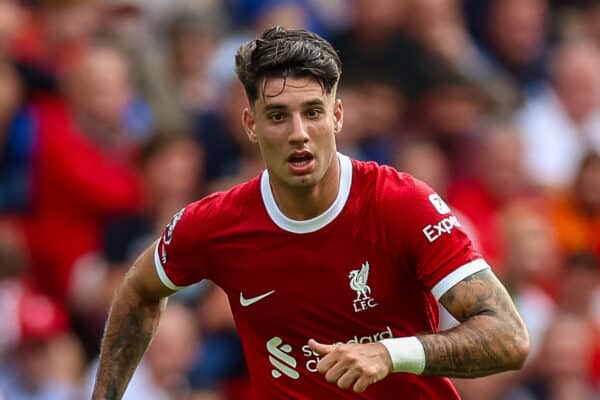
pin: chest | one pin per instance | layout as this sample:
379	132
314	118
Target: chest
314	283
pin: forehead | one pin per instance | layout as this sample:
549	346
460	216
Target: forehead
290	90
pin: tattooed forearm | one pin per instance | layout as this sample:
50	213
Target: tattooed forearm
130	327
111	391
491	337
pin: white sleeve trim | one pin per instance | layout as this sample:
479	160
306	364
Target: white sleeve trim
160	270
458	275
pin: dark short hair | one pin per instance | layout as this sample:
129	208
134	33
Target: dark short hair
281	52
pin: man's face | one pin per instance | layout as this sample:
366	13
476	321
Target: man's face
294	123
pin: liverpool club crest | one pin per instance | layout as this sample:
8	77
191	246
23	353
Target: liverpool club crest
359	283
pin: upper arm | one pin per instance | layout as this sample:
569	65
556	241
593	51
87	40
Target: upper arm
144	279
477	294
442	254
426	234
182	254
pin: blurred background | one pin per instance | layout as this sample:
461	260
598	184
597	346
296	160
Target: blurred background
116	113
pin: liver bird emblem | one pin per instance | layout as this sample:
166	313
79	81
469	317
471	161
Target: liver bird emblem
358	281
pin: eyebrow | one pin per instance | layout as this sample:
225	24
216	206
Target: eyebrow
280	106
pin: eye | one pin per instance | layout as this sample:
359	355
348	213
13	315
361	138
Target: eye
313	113
276	116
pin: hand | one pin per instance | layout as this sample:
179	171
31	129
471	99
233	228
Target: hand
357	365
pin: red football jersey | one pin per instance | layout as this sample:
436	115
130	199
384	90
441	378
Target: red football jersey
368	268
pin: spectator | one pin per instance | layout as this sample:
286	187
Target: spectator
449	112
37	373
425	161
579	288
16	145
563	369
576	213
13	266
193	39
13	16
82	177
58	32
172	176
497	180
171	172
164	378
374	47
565	116
100	92
440	26
231	158
212	370
513	40
580	20
532	267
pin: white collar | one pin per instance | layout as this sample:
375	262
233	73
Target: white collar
318	222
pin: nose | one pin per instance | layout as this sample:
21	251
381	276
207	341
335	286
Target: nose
298	133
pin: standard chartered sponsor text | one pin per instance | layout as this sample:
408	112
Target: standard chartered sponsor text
313	358
281	354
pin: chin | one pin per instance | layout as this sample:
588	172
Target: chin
302	181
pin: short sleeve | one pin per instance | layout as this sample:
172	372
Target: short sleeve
181	253
428	234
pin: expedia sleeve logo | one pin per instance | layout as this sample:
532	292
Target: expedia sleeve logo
439	204
434	231
168	236
445	226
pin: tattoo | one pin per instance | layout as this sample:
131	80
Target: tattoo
130	342
111	391
129	330
491	337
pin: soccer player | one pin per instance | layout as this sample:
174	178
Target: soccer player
333	267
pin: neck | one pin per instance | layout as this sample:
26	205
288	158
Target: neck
306	203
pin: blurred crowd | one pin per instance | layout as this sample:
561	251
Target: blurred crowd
114	114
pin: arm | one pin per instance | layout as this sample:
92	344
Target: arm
132	321
491	337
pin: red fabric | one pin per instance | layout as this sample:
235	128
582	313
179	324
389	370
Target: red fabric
235	389
231	239
77	188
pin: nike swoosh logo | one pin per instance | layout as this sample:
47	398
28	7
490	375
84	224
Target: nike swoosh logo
248	302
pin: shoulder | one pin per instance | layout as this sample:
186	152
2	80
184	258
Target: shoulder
232	203
385	181
198	222
394	197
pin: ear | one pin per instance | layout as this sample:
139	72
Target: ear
338	115
249	124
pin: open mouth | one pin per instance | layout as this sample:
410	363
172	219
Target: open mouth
301	158
301	162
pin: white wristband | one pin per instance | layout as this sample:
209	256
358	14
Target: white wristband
407	354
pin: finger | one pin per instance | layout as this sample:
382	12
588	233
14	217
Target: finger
327	362
320	348
335	372
348	378
363	382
